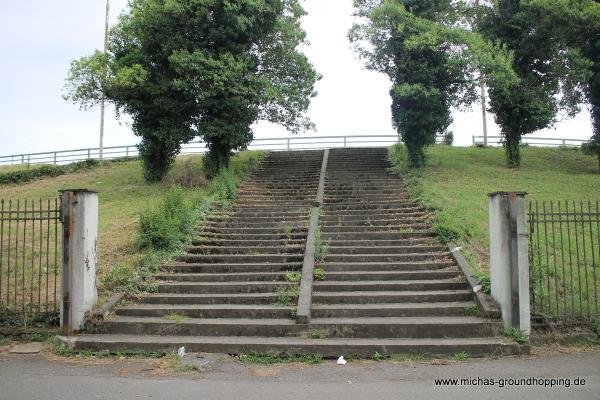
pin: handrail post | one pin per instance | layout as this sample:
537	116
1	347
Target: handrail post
79	217
54	158
345	143
288	144
89	153
509	258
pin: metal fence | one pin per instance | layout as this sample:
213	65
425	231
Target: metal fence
532	141
197	147
30	261
565	260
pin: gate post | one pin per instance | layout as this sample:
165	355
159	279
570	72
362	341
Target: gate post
509	258
79	216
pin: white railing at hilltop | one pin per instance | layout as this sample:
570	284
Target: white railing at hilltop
197	147
532	141
275	144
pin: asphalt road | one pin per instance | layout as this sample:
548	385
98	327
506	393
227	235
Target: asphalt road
46	377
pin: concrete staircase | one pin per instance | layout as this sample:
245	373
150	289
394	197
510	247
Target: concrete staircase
389	286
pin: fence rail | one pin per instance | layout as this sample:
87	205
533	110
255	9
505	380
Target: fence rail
197	147
565	260
532	141
30	254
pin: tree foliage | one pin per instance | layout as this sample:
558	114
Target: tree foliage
208	68
576	26
546	69
433	59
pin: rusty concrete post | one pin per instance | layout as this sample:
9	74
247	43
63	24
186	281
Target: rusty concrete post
509	258
79	216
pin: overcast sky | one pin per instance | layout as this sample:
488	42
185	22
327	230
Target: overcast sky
38	39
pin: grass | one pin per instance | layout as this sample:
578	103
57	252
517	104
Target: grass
457	180
267	359
124	197
174	363
319	274
5	341
516	335
315	334
294	277
175	317
288	296
461	356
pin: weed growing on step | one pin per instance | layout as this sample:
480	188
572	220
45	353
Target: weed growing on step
377	357
516	335
288	296
461	356
320	248
294	277
59	348
175	317
319	274
410	357
316	334
485	281
473	310
5	341
287	232
293	313
175	364
267	359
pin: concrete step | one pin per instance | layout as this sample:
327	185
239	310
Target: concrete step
357	276
298	248
391	310
377	297
223	287
248	242
387	235
334	249
387	266
251	231
202	326
253	236
397	228
232	267
213	298
240	258
424	256
225	277
389	285
207	311
329	348
406	327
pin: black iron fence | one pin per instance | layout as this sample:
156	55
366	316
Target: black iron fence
30	261
564	255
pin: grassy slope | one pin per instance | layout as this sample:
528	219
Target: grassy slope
457	180
123	196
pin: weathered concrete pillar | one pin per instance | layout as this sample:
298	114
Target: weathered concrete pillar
509	258
79	215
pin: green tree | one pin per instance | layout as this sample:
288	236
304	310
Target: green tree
433	60
533	102
208	68
576	26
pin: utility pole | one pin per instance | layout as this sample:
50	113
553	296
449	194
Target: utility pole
483	96
484	112
103	101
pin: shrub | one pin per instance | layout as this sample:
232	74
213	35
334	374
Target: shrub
448	138
187	175
168	225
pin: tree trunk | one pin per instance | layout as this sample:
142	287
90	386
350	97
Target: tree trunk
513	151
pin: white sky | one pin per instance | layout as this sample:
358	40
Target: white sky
39	38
